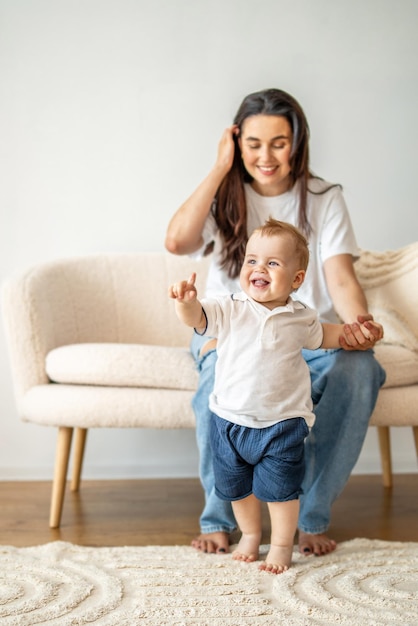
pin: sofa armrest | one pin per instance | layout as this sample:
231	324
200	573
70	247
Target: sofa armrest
39	315
27	334
389	280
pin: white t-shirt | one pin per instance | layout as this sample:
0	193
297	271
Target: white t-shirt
332	234
261	377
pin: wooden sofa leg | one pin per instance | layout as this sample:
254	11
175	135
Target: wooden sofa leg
415	430
78	455
385	455
60	475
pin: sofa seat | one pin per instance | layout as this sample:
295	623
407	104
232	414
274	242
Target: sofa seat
127	385
95	406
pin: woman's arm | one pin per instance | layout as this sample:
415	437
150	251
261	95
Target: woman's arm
184	232
350	301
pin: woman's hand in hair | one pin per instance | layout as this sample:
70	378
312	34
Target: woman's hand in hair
226	149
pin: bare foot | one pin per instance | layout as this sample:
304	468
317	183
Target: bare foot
315	544
278	559
212	543
247	548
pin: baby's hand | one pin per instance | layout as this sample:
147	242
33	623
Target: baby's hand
184	290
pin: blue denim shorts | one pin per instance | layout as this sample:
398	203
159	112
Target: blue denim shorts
268	462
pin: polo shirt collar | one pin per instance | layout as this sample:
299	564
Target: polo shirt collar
289	307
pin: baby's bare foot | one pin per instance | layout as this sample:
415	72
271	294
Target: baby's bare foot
278	559
315	544
247	548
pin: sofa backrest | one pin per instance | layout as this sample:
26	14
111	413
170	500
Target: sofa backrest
97	299
108	298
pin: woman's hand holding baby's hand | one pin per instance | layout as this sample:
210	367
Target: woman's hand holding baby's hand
362	335
375	330
184	290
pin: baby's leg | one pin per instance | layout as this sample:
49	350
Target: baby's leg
248	515
284	520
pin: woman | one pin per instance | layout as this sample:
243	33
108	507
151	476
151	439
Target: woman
262	170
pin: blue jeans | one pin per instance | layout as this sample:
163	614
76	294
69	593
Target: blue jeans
345	386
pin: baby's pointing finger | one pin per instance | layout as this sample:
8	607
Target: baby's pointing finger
192	279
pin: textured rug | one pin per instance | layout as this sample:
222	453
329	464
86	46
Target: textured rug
365	582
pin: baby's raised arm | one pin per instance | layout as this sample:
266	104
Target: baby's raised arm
188	308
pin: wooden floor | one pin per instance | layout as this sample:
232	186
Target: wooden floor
166	512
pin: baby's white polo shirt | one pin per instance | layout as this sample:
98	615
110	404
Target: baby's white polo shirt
261	377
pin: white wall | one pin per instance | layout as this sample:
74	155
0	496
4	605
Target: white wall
110	114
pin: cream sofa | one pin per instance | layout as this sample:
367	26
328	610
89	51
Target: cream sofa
94	343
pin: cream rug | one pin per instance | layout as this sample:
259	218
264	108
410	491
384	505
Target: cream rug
364	583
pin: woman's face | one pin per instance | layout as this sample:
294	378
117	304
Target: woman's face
266	143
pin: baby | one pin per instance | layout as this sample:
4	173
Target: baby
261	403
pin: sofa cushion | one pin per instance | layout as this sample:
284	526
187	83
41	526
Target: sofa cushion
131	365
122	365
400	364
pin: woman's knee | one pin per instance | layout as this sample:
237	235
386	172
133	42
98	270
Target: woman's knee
359	366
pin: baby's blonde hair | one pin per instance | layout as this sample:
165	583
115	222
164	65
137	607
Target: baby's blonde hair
274	228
